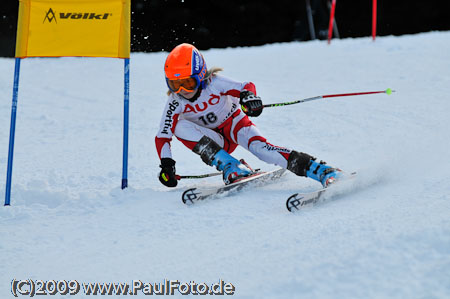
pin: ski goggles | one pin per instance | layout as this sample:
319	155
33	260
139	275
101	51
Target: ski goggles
188	84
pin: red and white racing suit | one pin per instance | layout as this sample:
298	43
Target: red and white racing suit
216	114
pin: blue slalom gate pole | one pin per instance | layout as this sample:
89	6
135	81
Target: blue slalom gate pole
12	132
126	112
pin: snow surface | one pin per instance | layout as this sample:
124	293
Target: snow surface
69	219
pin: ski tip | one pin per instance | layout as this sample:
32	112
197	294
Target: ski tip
189	196
288	202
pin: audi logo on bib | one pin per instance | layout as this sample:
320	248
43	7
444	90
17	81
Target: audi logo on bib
213	100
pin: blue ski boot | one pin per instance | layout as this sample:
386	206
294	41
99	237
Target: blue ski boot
213	155
305	165
323	173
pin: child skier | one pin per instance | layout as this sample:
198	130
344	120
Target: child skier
209	113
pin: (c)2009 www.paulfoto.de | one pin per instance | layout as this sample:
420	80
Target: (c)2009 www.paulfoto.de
32	287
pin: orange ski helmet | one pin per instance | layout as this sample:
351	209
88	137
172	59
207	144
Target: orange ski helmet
184	68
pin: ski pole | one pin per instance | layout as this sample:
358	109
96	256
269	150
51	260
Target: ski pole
387	91
200	176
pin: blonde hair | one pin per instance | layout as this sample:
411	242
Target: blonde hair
209	74
212	72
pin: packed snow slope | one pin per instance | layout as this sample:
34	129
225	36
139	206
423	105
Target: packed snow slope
389	238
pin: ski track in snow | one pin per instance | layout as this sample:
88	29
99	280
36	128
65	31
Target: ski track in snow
388	237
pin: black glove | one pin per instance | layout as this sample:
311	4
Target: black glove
167	174
250	103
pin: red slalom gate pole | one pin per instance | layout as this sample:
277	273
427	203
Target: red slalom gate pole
374	19
330	26
387	91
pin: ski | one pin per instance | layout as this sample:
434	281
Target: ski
299	200
192	195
